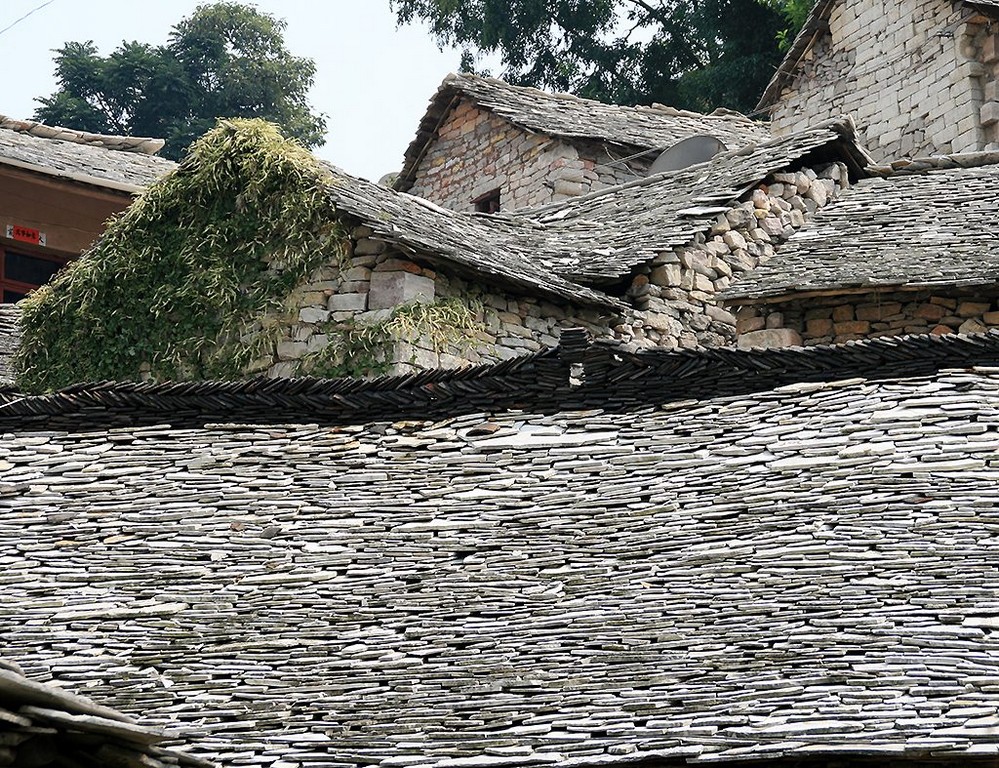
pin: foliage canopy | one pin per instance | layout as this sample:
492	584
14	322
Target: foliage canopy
168	288
693	54
225	60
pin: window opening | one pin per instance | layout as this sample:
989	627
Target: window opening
488	203
21	272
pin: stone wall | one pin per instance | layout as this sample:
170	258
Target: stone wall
676	290
913	74
477	152
358	318
383	311
837	319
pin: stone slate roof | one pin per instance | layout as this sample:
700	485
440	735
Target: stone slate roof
929	223
496	247
816	25
723	555
602	236
566	116
596	239
115	162
46	725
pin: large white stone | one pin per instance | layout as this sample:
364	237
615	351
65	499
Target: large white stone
313	315
990	112
393	289
771	338
348	302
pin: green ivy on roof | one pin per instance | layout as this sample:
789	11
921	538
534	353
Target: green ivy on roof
167	289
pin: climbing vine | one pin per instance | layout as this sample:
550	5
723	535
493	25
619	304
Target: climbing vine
167	289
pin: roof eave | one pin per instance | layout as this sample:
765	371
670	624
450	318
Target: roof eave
815	25
81	178
440	106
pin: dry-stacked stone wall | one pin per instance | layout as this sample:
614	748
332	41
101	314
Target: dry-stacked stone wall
675	292
918	77
477	152
355	317
349	318
837	319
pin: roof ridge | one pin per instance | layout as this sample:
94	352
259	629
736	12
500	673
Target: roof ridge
611	379
666	109
137	144
917	165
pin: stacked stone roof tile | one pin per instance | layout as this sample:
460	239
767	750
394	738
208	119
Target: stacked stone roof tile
596	239
498	247
925	223
794	560
46	725
601	237
566	116
117	162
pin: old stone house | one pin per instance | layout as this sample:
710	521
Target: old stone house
415	286
645	549
58	187
918	76
486	145
911	250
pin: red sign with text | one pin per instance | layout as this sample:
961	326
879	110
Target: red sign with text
25	234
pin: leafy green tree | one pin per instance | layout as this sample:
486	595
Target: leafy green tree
225	60
694	54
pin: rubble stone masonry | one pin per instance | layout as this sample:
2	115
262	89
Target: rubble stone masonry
848	317
918	76
670	299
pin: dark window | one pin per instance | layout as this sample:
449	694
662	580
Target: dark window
21	273
22	268
488	203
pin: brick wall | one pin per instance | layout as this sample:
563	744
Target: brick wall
847	317
477	152
912	73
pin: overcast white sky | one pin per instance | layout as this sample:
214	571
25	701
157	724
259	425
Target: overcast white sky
373	81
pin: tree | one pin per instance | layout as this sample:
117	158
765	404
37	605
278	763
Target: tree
694	54
225	60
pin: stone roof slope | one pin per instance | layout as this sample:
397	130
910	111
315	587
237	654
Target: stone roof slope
600	237
921	224
566	116
803	571
815	25
496	246
46	725
120	163
567	248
